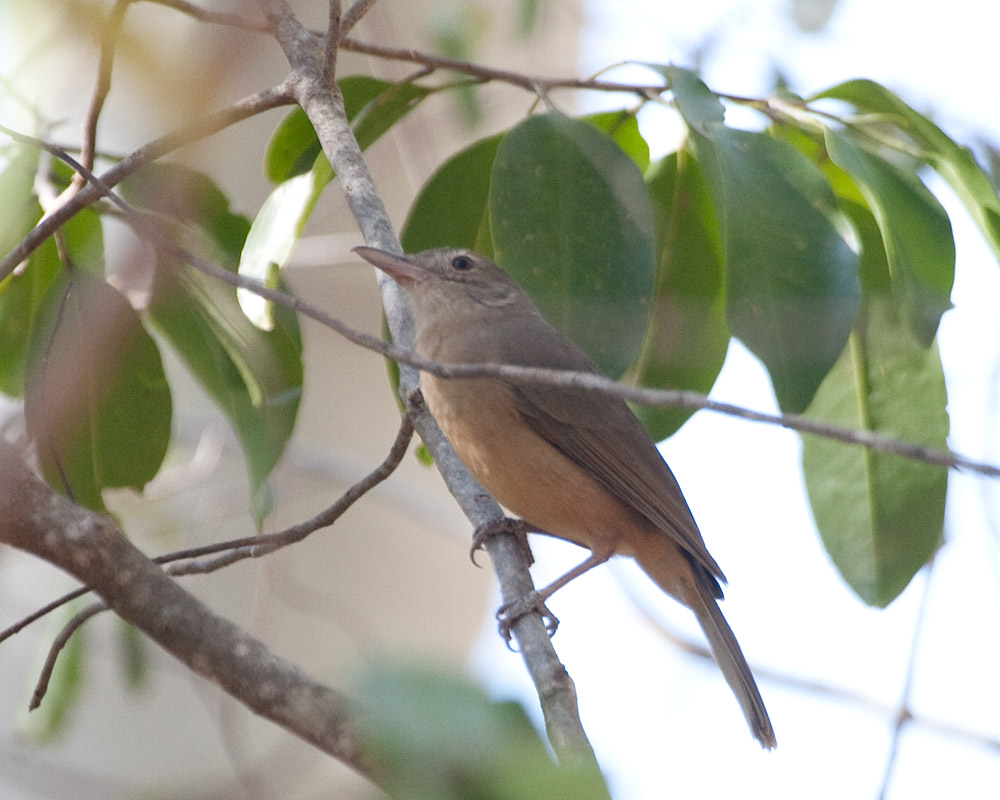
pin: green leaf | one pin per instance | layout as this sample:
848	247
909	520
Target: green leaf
792	281
19	209
374	106
187	196
880	516
97	403
273	235
293	148
254	375
22	294
378	105
436	737
687	337
452	208
953	162
623	127
571	221
915	228
394	102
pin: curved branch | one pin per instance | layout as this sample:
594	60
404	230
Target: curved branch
239	111
89	546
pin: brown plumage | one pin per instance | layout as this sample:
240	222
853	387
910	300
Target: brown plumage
574	464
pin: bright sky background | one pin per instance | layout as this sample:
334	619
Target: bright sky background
669	727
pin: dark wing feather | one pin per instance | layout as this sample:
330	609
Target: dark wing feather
606	439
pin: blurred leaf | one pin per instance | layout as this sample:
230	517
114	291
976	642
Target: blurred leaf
953	162
571	221
687	337
189	196
436	737
792	281
49	720
19	209
374	106
22	294
294	146
452	208
880	516
134	655
97	403
915	228
254	375
376	117
272	236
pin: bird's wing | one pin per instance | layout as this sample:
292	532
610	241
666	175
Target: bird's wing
606	439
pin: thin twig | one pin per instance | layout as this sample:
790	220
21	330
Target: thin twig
486	74
60	641
903	714
657	398
109	42
354	15
214	17
257	545
332	44
213	123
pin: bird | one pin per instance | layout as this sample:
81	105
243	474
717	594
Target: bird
571	463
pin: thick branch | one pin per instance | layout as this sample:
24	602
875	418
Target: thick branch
90	547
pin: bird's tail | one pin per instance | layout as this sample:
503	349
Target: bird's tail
700	595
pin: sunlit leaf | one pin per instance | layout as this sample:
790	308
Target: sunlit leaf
915	229
273	235
880	516
917	134
623	127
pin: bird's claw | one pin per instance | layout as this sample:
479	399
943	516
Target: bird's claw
533	603
515	527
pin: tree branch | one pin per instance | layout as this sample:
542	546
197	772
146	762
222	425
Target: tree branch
659	398
234	550
89	546
239	111
324	106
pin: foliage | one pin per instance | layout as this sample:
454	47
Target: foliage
812	240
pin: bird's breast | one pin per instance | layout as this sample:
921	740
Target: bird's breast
523	471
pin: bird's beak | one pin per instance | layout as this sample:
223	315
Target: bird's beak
398	267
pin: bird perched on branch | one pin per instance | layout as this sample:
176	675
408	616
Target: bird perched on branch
573	463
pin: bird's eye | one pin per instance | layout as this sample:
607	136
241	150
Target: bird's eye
461	263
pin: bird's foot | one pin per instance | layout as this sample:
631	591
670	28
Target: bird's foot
533	603
516	527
